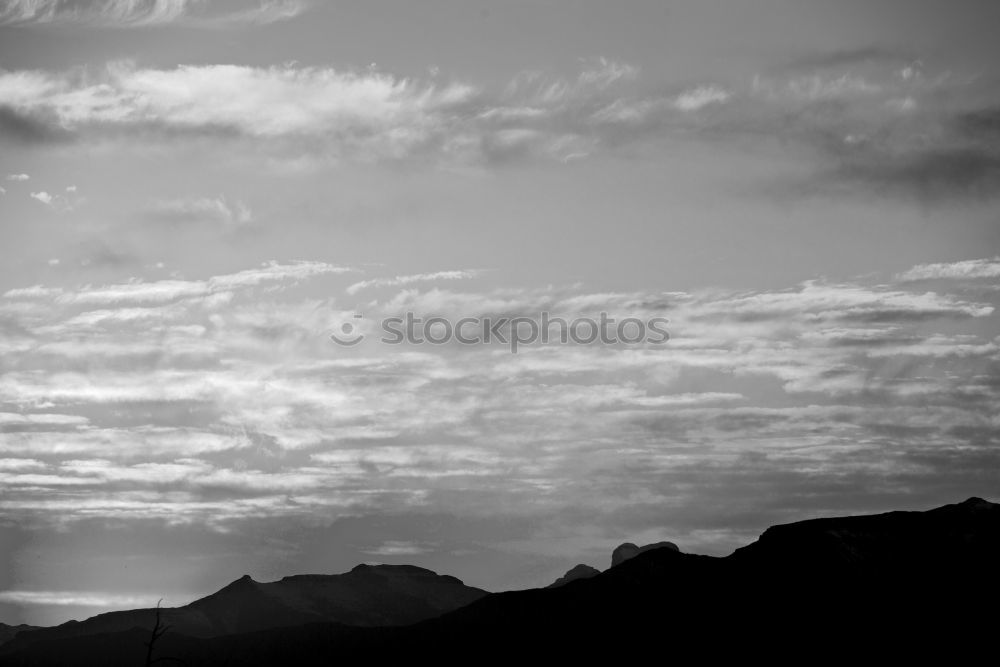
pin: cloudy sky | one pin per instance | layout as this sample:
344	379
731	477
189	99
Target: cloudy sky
195	193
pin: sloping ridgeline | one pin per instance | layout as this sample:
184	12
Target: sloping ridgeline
887	587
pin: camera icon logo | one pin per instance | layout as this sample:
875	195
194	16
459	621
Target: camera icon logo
347	334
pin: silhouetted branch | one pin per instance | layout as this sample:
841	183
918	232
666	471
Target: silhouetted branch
155	634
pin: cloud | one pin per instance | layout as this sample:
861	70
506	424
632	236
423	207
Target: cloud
33	292
849	58
397	548
23	129
43	197
143	13
81	599
869	124
821	302
265	13
20	465
971	269
980	124
124	12
948	172
414	278
605	72
59	202
882	126
165	291
18	177
536	91
156	401
142	443
368	112
9	418
701	97
211	209
817	88
364	114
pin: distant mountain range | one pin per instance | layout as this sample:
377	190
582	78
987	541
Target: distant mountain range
895	586
368	595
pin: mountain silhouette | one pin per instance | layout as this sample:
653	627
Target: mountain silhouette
368	595
622	553
628	550
892	587
576	572
953	534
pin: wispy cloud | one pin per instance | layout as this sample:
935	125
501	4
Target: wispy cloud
140	13
410	279
68	200
383	115
364	114
698	98
82	599
202	209
163	291
972	269
836	59
397	548
892	127
161	400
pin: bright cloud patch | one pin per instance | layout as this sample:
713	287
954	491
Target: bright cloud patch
81	599
701	97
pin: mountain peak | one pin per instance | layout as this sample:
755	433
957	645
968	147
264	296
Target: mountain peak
628	551
580	571
242	582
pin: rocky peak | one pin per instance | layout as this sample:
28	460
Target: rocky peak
580	571
628	550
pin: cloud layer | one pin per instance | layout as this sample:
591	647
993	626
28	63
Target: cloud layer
144	13
876	123
221	400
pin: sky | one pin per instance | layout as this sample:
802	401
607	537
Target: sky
196	194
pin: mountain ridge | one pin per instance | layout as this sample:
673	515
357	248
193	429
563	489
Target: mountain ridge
382	595
882	586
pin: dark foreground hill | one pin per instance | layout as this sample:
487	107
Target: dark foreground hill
890	587
8	632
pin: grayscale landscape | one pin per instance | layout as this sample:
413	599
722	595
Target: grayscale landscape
373	329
